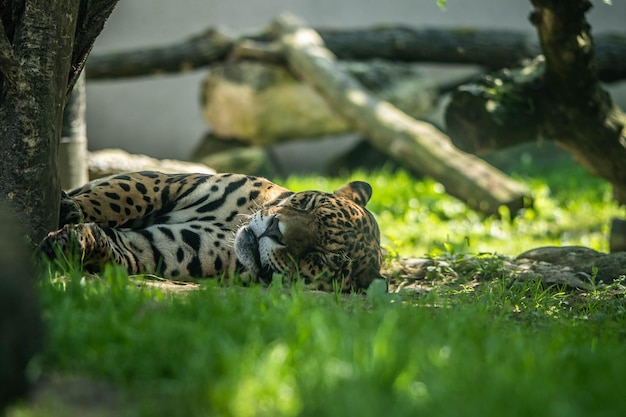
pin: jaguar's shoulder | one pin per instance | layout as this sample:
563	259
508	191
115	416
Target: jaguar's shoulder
154	182
139	195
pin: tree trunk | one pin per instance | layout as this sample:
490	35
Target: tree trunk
40	60
559	98
31	112
488	48
73	165
418	145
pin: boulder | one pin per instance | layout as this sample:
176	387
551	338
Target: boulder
264	103
585	262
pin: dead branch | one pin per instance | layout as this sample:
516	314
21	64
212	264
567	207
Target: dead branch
488	48
416	144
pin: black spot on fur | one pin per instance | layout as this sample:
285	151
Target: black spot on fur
112	196
116	208
230	188
141	188
167	232
124	186
149	174
218	263
195	267
191	238
232	215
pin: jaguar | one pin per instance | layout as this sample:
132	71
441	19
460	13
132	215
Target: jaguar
188	226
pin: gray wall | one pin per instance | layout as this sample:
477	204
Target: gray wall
161	116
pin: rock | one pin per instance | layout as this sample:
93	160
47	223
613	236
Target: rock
611	267
362	156
564	266
574	256
583	261
231	155
264	104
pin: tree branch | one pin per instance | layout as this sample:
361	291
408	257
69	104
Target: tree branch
499	111
92	15
559	99
198	51
416	144
488	48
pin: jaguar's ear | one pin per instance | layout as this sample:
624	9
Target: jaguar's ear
358	191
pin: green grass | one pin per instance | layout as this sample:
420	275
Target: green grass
501	348
505	348
417	218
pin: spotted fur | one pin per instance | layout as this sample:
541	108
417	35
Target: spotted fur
186	226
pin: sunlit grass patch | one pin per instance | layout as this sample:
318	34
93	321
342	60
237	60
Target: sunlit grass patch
418	218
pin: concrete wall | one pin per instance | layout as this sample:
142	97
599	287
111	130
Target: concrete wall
161	116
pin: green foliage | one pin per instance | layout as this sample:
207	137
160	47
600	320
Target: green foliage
417	218
501	347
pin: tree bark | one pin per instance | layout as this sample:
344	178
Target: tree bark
559	99
40	58
32	107
497	112
418	145
489	48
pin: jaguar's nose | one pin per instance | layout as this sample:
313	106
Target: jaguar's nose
273	231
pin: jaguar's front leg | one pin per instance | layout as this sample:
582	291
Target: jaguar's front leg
85	242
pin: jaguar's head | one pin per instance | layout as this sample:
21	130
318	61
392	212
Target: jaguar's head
326	239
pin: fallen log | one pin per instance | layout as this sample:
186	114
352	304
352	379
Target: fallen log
488	48
418	145
107	162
